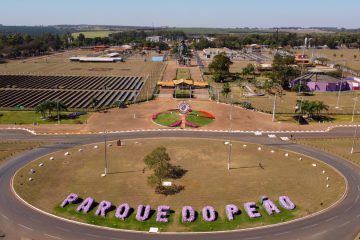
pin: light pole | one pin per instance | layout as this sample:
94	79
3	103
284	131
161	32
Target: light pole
353	142
58	112
230	131
353	113
105	156
301	101
274	109
341	83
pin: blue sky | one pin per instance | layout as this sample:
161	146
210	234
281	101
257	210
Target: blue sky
183	13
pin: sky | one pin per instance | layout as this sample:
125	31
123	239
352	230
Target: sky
183	13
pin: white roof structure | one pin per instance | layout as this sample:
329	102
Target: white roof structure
95	59
114	54
320	69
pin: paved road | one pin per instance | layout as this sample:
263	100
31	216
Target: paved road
17	220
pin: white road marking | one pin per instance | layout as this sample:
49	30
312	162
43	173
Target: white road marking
319	233
332	218
282	233
347	209
345	223
26	227
4	216
93	235
358	187
310	226
63	229
51	236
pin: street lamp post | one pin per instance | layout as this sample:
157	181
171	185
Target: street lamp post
105	155
354	139
353	113
58	112
230	131
301	101
274	109
341	83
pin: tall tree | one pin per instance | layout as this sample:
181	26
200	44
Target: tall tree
220	63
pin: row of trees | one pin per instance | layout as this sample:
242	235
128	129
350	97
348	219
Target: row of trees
311	108
13	45
47	108
280	40
25	45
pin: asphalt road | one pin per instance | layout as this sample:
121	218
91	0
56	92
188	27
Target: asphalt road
18	221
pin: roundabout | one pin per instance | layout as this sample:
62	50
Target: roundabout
256	171
340	216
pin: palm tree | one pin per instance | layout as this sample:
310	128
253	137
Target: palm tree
321	106
60	106
41	108
226	90
50	106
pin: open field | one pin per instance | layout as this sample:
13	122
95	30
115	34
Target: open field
204	181
238	66
94	34
60	64
8	149
337	56
340	147
30	117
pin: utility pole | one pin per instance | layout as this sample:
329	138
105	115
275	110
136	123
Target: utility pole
274	109
341	83
58	112
354	108
105	155
354	139
301	101
230	131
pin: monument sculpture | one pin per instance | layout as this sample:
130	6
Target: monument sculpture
183	56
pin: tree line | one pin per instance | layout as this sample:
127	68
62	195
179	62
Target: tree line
273	40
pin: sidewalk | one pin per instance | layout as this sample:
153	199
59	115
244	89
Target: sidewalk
138	117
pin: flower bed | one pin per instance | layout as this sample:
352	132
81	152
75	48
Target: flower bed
190	124
176	124
206	114
172	118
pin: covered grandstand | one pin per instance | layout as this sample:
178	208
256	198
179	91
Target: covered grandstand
320	82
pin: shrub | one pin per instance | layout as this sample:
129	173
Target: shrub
246	105
169	190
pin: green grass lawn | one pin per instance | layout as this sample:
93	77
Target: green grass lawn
111	221
194	117
167	118
199	225
240	221
330	118
182	93
183	73
30	117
